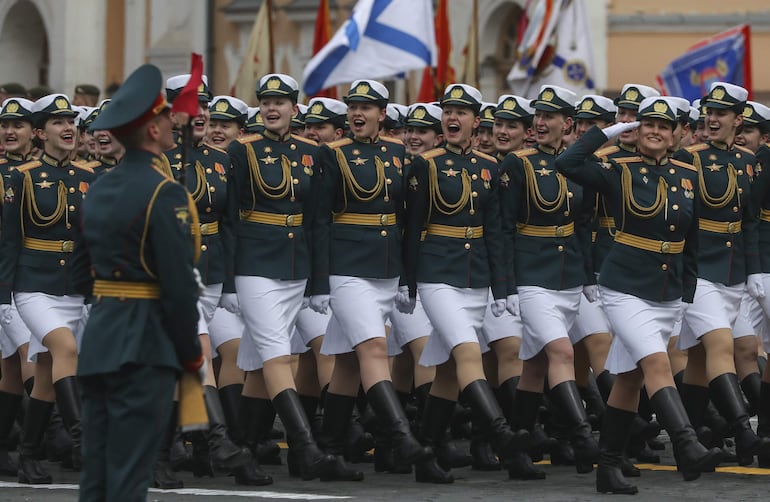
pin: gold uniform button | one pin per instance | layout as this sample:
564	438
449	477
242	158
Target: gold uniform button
474	194
473	160
290	235
474	177
69	225
560	248
72	190
62	262
740	171
675	207
388	181
570	194
384	148
672	227
467	245
566	213
208	170
208	209
71	209
735	209
212	189
293	163
293	146
672	171
205	152
740	190
384	233
71	172
664	267
673	189
295	181
729	244
386	164
204	247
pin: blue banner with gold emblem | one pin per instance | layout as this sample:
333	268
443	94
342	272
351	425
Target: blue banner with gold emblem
725	57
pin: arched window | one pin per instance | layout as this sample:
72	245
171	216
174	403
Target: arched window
23	39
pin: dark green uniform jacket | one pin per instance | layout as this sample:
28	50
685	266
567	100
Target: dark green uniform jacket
271	181
450	190
136	228
760	194
725	255
535	198
658	202
362	182
42	199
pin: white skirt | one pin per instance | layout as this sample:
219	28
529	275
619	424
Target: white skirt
44	313
360	307
406	328
547	315
310	325
590	321
269	308
225	326
497	328
207	304
715	306
764	303
457	315
640	328
14	334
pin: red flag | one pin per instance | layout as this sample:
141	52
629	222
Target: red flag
427	87
445	74
322	35
187	100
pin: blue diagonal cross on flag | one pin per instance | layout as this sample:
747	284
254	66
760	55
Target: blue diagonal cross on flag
382	38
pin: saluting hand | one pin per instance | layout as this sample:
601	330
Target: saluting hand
320	303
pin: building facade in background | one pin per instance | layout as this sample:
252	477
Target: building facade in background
62	43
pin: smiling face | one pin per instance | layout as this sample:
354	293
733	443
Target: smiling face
721	124
458	123
509	135
751	137
276	113
16	136
324	132
655	137
550	128
107	145
627	115
485	140
421	139
223	132
58	135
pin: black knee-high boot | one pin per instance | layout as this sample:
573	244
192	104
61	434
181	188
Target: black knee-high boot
594	403
695	400
384	402
691	456
263	447
727	397
240	415
436	415
585	446
520	465
612	445
447	454
750	385
68	401
312	461
506	441
224	454
31	471
763	421
604	381
338	410
163	475
9	407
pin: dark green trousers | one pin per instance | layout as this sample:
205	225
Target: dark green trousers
123	415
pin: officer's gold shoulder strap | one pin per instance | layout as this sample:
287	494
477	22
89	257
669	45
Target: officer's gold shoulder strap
250	138
484	156
526	152
85	165
685	165
430	154
389	139
608	150
339	143
696	147
304	140
27	166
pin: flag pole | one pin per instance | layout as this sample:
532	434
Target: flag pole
475	21
270	33
747	59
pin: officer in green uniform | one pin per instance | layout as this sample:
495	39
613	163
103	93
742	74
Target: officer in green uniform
484	140
650	270
270	209
298	120
109	151
325	120
254	123
139	238
512	119
728	263
42	201
546	221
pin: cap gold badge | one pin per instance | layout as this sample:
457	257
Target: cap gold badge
273	84
12	107
547	95
632	94
587	104
362	89
509	104
221	106
488	113
718	93
201	87
61	104
457	92
747	112
660	107
419	113
317	108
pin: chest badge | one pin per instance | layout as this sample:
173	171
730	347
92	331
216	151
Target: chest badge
544	172
714	167
450	172
269	159
687	185
487	177
44	184
359	161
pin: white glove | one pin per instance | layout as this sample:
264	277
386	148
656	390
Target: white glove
305	302
320	303
229	302
616	130
497	307
203	371
512	305
6	314
755	286
404	303
591	292
199	281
